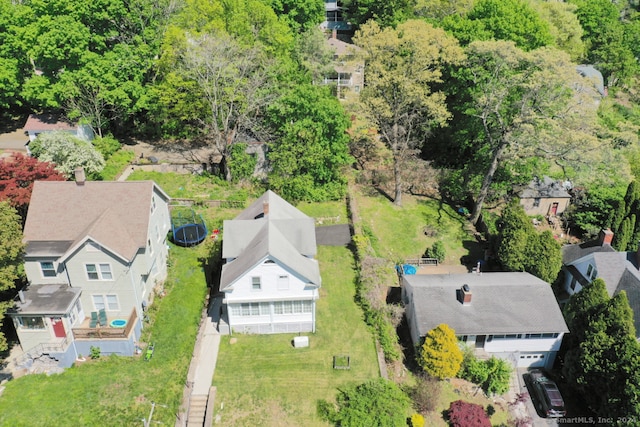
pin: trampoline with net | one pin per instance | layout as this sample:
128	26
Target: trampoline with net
188	228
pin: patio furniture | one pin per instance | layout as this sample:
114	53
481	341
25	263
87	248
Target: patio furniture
94	319
102	317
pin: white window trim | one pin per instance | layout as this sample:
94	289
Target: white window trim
253	288
53	268
97	266
106	302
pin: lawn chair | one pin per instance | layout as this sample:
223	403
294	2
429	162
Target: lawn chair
94	319
102	317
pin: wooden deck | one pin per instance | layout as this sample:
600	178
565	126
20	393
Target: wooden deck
105	332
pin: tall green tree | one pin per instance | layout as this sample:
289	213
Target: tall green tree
218	89
311	149
518	105
520	247
11	252
402	66
384	13
440	355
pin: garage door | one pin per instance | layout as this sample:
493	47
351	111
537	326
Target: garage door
532	360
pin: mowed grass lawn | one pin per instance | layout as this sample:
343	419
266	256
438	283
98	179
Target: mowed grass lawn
263	380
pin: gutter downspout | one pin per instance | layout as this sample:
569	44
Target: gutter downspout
135	294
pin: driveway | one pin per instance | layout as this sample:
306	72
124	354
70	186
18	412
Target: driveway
536	420
13	141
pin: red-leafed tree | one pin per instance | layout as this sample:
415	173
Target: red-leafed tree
17	175
465	414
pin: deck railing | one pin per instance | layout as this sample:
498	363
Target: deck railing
107	332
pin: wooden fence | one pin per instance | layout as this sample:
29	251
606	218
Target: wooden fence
422	261
235	204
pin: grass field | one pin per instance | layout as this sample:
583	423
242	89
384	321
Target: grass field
399	232
263	380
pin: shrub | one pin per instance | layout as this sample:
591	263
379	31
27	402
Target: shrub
241	163
436	251
426	393
417	420
492	375
465	414
95	352
107	146
440	355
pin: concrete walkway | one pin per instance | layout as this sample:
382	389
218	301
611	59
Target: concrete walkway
198	398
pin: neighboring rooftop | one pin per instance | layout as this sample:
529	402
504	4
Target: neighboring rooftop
546	188
501	303
62	214
47	122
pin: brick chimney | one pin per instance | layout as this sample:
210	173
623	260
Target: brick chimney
265	208
465	295
80	176
605	237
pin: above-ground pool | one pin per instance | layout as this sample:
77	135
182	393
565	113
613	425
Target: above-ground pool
118	323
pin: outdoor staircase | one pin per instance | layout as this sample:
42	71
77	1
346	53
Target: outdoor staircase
40	352
197	410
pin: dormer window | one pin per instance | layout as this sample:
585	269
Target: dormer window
48	269
592	272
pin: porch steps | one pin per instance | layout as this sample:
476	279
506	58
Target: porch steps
197	410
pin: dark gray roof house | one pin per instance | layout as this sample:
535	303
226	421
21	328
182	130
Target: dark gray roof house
583	263
508	314
545	196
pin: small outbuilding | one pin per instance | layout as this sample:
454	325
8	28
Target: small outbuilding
546	197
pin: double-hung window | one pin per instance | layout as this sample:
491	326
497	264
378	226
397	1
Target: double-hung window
99	271
255	283
48	269
107	302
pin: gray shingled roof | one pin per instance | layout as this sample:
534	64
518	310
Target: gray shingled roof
284	234
502	303
113	214
545	188
571	253
618	270
47	299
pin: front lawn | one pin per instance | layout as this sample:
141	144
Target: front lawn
263	380
118	391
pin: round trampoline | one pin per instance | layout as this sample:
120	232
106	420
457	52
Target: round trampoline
188	228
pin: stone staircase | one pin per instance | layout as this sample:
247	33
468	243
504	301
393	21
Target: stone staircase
197	410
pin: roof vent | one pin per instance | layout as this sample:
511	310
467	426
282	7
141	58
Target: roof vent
464	295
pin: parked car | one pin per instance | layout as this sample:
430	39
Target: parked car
546	393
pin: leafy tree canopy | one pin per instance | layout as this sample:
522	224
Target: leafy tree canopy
17	178
67	152
311	147
11	251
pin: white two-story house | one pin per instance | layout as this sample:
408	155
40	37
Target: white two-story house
94	252
513	316
270	278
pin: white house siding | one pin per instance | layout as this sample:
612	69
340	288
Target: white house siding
582	266
159	226
268	321
526	352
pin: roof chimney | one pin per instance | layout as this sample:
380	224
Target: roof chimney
605	237
265	208
21	296
80	176
334	33
465	295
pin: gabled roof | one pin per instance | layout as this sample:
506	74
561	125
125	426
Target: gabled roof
47	122
269	228
63	215
545	188
572	253
501	303
270	243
